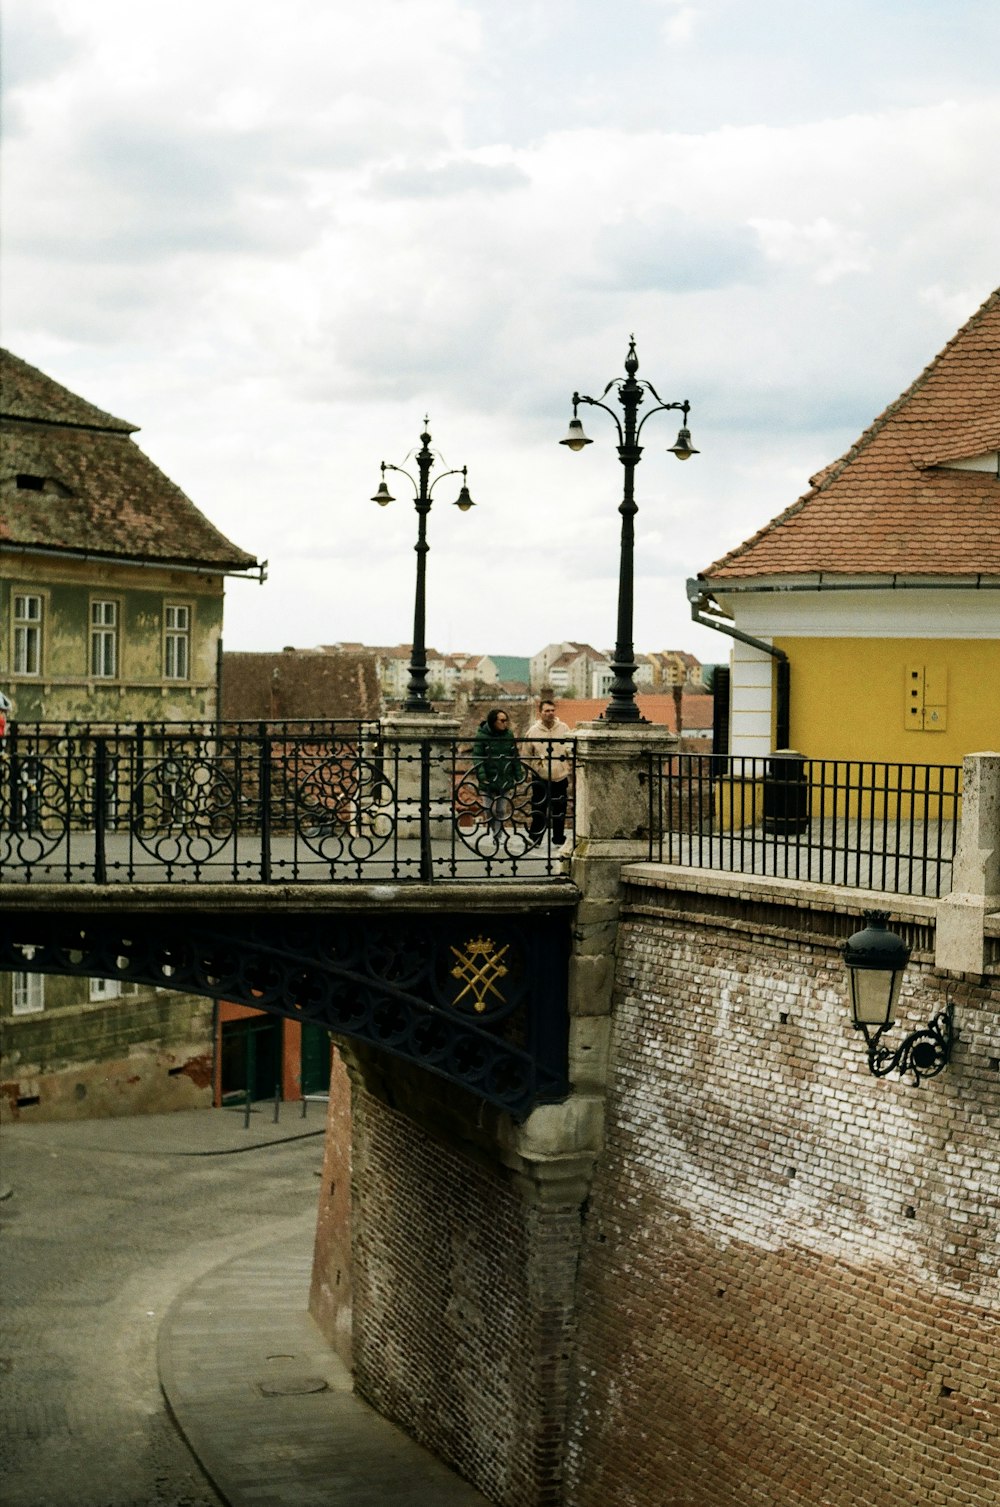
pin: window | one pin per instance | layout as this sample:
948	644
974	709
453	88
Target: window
105	988
104	640
177	642
27	635
28	996
111	988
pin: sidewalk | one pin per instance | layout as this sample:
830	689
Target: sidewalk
266	1406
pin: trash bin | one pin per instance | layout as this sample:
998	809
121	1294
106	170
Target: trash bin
786	793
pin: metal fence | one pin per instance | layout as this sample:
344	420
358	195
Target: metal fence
271	802
863	824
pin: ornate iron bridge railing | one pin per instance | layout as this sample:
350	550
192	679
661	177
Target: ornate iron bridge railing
272	803
862	824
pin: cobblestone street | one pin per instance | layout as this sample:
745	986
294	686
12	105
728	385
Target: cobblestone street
103	1224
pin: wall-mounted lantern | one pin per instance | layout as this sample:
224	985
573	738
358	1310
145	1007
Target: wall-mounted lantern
876	960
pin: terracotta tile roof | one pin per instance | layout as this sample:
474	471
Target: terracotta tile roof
696	710
72	479
311	683
888	505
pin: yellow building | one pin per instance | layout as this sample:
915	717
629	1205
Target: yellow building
866	617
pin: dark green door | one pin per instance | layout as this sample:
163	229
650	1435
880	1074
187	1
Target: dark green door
315	1059
251	1057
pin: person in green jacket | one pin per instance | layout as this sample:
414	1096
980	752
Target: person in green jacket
498	768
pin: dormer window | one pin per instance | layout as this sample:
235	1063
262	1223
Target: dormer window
988	463
27	481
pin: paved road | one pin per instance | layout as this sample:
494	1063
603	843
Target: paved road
106	1224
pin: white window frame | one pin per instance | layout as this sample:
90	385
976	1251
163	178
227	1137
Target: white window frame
27	993
28	611
177	640
104	656
105	989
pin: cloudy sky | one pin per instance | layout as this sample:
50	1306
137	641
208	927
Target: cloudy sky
276	233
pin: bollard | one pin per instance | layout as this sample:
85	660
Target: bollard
246	1112
277	1101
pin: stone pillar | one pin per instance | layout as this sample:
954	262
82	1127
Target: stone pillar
330	1288
960	933
411	738
561	1141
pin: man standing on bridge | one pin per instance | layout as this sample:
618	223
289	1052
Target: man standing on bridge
549	764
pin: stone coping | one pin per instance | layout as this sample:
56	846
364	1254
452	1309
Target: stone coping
494	894
764	888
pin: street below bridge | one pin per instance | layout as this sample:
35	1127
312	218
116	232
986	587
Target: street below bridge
165	1260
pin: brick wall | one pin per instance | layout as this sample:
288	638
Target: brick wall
463	1300
789	1280
147	1053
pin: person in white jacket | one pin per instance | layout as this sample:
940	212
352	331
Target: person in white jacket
549	763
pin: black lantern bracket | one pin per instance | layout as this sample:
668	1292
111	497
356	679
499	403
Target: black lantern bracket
923	1053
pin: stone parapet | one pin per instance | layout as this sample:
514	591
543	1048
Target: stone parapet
418	749
962	944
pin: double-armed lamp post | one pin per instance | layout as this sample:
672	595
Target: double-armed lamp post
622	707
416	690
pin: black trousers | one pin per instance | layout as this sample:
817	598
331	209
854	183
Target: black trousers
548	807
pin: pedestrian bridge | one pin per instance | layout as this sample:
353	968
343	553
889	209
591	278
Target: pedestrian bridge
321	872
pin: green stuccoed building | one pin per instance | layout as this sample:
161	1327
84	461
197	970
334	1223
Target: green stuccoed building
111	580
111	598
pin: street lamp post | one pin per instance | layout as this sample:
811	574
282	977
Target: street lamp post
416	690
622	707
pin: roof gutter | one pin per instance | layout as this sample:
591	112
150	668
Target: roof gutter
979	582
256	572
699	599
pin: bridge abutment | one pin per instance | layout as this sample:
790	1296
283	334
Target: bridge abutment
467	1224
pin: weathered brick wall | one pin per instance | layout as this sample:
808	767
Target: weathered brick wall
147	1053
463	1301
789	1282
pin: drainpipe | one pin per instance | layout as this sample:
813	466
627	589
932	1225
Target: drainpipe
699	600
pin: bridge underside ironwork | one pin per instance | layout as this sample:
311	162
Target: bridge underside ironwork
476	998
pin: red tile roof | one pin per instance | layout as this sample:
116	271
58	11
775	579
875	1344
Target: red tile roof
696	710
295	683
888	505
72	479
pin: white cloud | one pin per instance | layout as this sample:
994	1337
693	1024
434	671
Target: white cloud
277	235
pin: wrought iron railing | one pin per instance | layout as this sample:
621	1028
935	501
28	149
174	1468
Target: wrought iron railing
272	802
862	824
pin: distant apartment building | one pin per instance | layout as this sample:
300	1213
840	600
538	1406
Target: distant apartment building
578	670
446	673
567	668
676	667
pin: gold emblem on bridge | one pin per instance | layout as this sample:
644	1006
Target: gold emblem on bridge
479	969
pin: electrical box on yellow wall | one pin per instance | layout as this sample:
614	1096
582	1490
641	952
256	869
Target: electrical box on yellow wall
926	696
